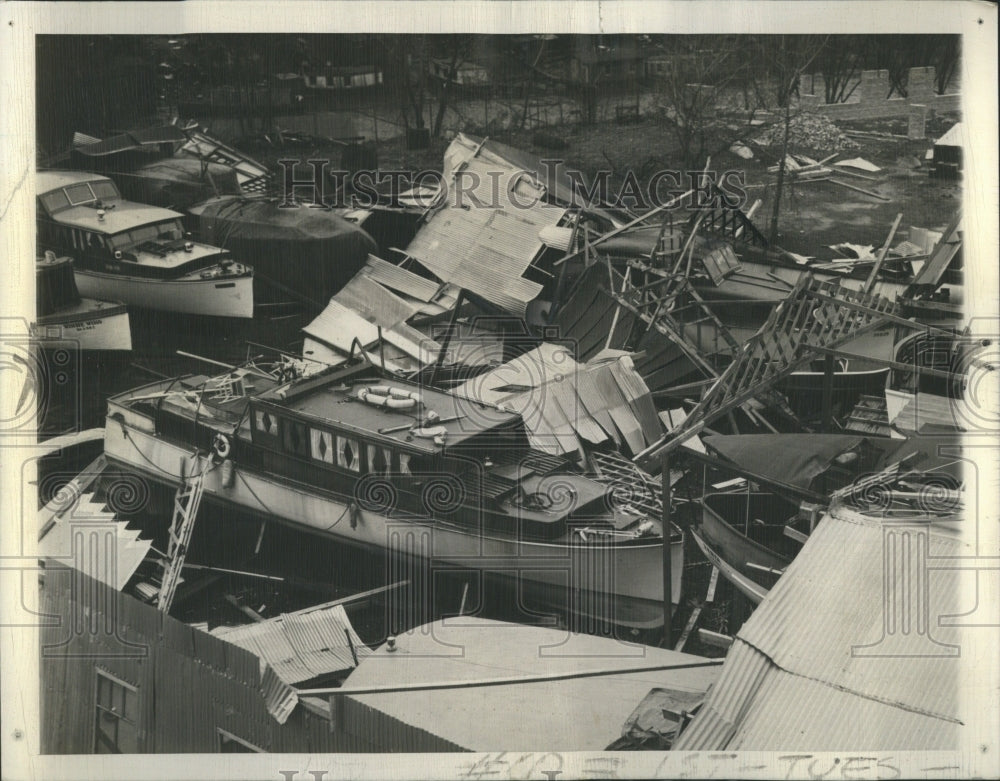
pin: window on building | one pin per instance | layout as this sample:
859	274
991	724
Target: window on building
231	744
117	716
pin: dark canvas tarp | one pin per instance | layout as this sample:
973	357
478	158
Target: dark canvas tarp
176	182
790	459
309	253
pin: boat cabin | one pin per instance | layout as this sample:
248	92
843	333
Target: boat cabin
350	432
84	215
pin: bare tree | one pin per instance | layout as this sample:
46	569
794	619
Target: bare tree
789	59
696	71
457	49
840	63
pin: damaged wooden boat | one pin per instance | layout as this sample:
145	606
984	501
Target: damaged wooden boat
753	530
399	468
134	253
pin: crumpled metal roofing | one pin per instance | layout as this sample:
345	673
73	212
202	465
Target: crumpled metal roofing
359	309
75	538
835	657
564	403
399	279
483	240
300	646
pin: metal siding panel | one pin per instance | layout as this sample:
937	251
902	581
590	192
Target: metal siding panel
374	302
806	633
485	250
300	646
399	279
338	326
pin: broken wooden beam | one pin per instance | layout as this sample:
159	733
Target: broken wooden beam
861	190
870	282
247	611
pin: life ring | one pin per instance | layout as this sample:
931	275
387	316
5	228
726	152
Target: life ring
221	446
390	398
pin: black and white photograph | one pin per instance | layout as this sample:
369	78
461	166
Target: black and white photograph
494	390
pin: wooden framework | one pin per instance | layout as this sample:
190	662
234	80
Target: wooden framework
816	317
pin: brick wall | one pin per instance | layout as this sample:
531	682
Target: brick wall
870	98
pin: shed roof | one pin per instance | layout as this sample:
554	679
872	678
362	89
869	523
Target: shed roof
562	715
953	136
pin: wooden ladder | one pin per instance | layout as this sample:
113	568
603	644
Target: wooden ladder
187	500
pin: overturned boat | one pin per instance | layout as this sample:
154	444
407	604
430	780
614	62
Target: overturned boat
135	253
401	469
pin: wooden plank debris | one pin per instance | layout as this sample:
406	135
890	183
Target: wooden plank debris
861	190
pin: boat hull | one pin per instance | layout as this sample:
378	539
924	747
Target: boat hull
217	297
748	565
619	583
93	326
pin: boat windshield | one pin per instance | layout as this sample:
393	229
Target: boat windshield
78	194
168	230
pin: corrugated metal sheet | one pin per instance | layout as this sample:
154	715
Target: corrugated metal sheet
80	535
481	240
280	698
358	310
562	715
399	279
844	652
303	645
563	402
374	302
337	326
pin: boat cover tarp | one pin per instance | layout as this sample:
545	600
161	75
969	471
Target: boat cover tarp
136	139
310	252
176	182
792	459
